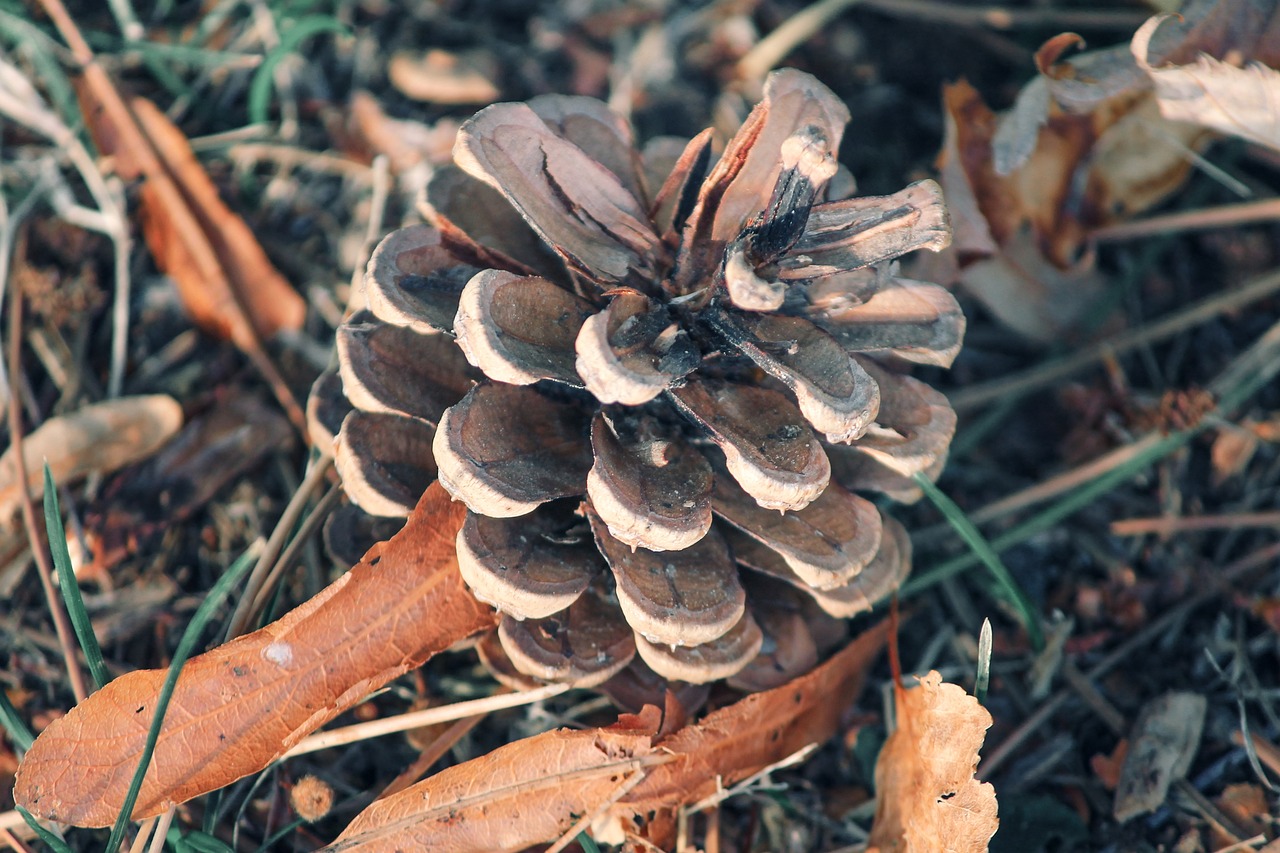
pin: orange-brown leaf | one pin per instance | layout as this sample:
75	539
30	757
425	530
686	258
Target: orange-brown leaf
251	285
927	798
241	705
736	741
520	794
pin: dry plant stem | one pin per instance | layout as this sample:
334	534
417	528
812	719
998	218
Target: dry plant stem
1019	384
144	833
257	588
1267	210
1155	629
377	210
1268	753
162	830
61	622
290	555
202	253
1169	526
13	841
793	32
431	755
425	717
1003	18
629	781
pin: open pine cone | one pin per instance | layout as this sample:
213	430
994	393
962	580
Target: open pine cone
646	372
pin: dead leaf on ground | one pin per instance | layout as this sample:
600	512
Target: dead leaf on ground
1084	146
1242	102
530	792
241	705
927	797
99	438
1162	745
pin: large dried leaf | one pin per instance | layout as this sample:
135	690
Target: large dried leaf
1243	102
532	791
835	394
241	705
225	280
521	794
734	742
578	206
505	450
652	493
520	329
98	438
768	447
927	798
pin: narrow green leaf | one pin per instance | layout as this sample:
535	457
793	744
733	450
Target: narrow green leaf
58	845
67	583
987	555
263	78
588	843
188	642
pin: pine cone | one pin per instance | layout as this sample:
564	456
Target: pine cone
656	381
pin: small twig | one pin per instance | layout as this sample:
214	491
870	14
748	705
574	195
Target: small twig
628	783
61	622
1185	524
793	32
1019	384
248	605
425	717
1005	18
162	830
14	842
309	526
1247	213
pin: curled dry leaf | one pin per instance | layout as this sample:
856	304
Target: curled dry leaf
927	798
1242	102
98	438
241	705
532	791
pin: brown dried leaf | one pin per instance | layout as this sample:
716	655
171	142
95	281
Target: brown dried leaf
440	77
520	794
229	279
98	438
241	705
1243	102
927	798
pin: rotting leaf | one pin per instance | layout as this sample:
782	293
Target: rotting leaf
241	705
927	798
98	438
1162	745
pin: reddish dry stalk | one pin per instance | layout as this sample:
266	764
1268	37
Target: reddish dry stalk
184	222
61	622
1168	526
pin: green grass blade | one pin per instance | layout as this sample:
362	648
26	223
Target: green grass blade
19	734
185	646
986	555
56	843
260	87
67	583
588	843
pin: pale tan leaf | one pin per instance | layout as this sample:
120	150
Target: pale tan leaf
441	77
927	799
241	705
100	438
1242	102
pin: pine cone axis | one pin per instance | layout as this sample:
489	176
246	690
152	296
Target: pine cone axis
658	381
